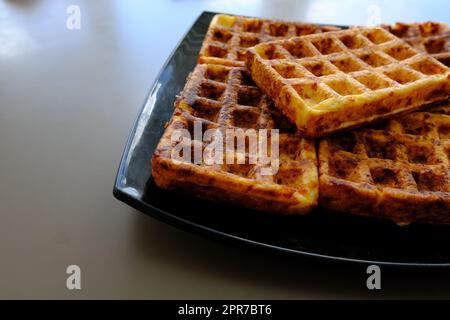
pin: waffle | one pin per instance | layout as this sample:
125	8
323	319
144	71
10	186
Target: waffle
228	37
220	98
341	79
399	170
430	37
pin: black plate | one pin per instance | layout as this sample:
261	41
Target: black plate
321	234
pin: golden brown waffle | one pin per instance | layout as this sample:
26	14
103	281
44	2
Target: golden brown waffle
224	97
335	80
228	37
399	171
430	37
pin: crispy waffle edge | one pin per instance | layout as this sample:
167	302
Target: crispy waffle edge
318	123
401	205
222	186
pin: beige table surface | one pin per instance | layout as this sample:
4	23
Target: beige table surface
68	99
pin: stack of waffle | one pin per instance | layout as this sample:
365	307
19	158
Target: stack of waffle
322	87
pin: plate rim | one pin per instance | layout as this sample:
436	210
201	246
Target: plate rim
121	194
